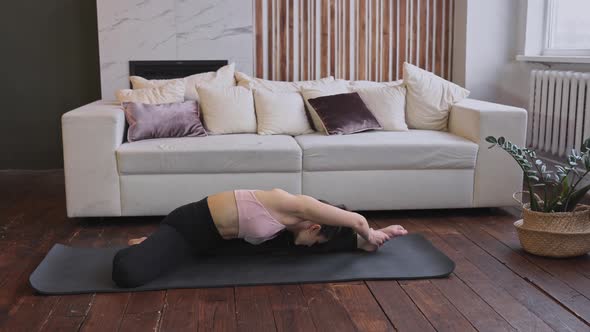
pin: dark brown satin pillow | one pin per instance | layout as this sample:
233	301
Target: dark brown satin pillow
344	113
163	120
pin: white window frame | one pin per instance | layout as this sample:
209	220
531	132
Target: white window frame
548	24
536	37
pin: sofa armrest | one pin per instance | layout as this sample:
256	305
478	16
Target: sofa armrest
497	175
90	136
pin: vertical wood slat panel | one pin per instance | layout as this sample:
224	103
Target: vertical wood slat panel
325	42
341	35
347	40
438	41
259	51
283	40
402	42
385	16
312	37
432	39
290	57
394	40
299	39
362	45
269	48
304	41
451	41
372	39
415	17
332	37
447	41
294	42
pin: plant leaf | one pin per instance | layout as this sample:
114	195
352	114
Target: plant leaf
576	197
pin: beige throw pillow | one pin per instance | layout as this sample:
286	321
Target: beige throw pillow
280	113
223	77
228	110
334	88
279	86
388	105
172	92
429	98
373	84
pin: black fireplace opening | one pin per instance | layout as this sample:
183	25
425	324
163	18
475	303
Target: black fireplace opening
168	69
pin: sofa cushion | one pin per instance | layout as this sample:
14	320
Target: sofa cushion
224	76
236	153
388	105
254	83
280	113
227	110
172	92
344	113
333	88
380	150
372	84
148	121
429	98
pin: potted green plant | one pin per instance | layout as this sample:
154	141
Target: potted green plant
554	222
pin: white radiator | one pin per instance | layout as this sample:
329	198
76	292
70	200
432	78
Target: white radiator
559	111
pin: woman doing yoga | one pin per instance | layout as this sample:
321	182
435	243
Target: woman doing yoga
245	220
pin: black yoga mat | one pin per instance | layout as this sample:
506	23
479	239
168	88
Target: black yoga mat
69	270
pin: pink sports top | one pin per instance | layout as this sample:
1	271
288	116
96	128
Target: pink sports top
256	225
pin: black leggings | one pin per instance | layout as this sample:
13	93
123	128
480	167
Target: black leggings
189	231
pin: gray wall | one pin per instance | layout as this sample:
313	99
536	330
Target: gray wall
49	65
488	37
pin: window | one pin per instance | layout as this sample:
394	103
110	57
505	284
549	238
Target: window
567	28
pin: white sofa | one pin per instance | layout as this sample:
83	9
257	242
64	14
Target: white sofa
377	170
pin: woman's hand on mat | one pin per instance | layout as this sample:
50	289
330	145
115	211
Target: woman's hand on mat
136	241
392	231
373	237
377	237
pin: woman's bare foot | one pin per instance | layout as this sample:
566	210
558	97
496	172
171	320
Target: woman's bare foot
392	231
136	241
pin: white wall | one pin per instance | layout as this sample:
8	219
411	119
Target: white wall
171	30
488	36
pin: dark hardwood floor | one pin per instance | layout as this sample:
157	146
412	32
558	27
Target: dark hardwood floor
495	287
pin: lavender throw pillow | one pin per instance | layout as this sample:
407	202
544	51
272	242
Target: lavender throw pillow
163	120
344	113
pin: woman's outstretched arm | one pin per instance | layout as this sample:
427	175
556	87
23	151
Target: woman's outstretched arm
308	208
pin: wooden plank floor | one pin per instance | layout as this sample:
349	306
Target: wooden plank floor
495	287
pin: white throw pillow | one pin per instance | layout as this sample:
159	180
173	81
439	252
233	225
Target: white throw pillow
228	110
429	98
172	92
223	77
280	113
334	88
279	86
373	84
388	105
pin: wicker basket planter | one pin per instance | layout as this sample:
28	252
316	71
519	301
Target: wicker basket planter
553	234
556	234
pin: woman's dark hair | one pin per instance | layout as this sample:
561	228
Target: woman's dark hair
329	231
